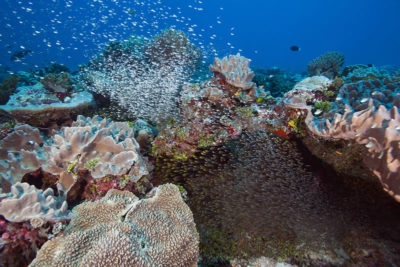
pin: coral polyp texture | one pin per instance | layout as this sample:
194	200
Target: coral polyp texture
328	64
27	203
367	111
99	145
19	154
121	230
234	70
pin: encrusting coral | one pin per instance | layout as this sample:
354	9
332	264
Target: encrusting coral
121	230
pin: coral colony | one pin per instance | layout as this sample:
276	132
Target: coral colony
143	158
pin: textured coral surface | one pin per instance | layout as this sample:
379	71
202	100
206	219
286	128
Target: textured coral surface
121	230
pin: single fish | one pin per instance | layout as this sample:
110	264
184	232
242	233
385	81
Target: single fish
295	48
20	54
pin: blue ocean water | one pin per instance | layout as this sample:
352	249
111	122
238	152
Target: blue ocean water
70	32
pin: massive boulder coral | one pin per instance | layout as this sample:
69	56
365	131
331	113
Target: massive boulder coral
328	65
121	230
20	154
27	203
235	71
99	145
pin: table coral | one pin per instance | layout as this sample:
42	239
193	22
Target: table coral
38	107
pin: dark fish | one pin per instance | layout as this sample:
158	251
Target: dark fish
20	54
295	48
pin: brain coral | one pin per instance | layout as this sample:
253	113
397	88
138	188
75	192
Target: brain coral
120	230
103	146
235	71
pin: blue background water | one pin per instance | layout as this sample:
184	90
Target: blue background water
70	32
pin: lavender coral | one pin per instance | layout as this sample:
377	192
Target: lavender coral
25	203
100	145
121	230
19	154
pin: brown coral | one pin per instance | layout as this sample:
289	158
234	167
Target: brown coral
120	230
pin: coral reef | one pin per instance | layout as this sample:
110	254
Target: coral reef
234	71
172	48
328	65
355	73
34	105
20	243
7	88
122	230
26	203
60	84
99	145
152	74
305	92
19	154
263	195
365	111
275	80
